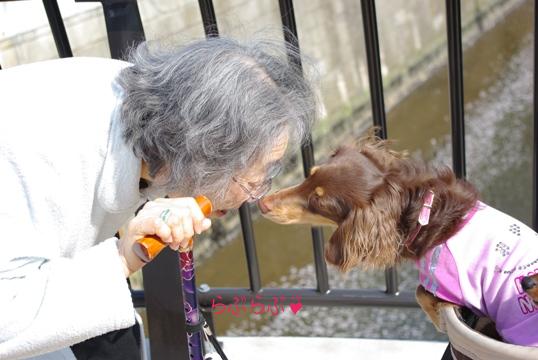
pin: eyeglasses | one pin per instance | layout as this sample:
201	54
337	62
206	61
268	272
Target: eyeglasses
256	191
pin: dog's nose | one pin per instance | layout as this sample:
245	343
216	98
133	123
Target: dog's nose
527	283
264	205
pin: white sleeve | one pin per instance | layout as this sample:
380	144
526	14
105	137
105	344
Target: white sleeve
49	302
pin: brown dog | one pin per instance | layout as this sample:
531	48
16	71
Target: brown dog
375	196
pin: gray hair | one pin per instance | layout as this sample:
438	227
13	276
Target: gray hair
207	111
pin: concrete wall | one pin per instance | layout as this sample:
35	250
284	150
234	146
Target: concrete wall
330	32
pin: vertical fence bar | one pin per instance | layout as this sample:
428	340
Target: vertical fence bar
375	78
123	25
289	25
455	76
58	28
376	98
250	248
535	138
211	30
209	18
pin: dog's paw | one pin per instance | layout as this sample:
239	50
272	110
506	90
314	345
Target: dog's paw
441	323
431	305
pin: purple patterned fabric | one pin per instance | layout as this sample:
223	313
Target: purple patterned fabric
190	303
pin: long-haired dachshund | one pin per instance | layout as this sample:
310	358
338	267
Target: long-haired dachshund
388	208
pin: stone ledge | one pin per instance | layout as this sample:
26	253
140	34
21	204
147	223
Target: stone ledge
314	348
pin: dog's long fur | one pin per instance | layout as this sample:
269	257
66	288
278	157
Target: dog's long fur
374	195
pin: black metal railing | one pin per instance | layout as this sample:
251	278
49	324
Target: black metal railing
369	21
455	80
162	296
287	14
57	28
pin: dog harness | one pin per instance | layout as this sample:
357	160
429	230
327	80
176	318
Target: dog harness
481	267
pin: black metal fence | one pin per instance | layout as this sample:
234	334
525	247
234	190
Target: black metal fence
162	296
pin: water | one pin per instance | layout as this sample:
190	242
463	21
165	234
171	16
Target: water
498	110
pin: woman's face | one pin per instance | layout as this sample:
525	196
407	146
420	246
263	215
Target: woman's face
254	182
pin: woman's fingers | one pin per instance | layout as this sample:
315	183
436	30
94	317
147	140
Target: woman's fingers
206	224
185	219
175	221
171	221
162	230
188	230
150	226
186	203
178	234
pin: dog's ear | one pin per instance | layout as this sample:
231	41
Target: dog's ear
340	250
368	236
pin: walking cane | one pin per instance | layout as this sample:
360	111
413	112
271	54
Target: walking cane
147	248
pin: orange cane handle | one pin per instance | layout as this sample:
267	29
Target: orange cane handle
151	245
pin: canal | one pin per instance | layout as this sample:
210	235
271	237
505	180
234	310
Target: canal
498	110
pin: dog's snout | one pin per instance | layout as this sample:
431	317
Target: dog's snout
527	283
265	205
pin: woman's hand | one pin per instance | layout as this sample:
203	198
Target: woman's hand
174	221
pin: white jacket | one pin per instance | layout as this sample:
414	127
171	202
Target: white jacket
68	183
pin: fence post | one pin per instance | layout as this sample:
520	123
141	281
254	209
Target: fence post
375	78
287	14
57	28
455	76
123	25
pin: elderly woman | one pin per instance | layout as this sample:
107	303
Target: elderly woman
84	142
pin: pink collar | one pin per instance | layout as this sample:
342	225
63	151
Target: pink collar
423	217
